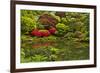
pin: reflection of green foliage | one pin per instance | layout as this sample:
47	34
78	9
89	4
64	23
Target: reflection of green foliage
53	57
52	38
54	50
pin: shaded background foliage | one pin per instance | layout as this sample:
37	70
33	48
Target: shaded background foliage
70	41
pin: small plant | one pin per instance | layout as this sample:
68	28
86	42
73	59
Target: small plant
39	58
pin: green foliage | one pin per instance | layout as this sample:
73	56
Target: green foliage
27	24
63	20
56	17
61	29
39	58
54	50
22	55
62	26
40	26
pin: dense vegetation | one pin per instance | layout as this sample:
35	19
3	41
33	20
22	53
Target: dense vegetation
54	36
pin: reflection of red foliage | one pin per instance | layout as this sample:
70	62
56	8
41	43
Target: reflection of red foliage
43	44
52	30
39	45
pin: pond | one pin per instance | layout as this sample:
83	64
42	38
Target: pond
37	49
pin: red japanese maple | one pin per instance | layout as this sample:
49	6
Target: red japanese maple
52	30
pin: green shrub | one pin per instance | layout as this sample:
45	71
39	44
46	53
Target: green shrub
27	24
61	29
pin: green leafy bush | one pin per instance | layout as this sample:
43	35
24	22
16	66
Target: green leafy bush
61	29
27	24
